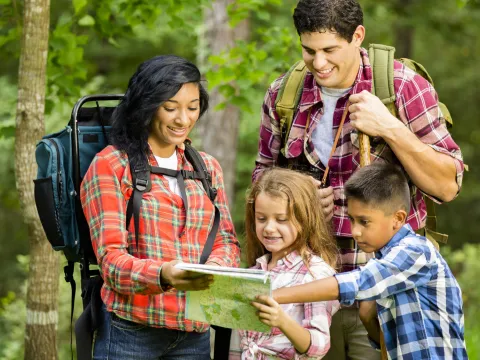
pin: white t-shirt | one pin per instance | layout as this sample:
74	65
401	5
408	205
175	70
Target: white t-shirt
322	136
170	163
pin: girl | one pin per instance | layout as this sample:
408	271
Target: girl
287	235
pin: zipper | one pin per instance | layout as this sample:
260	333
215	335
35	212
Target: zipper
59	171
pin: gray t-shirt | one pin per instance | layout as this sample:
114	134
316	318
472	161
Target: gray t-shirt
322	136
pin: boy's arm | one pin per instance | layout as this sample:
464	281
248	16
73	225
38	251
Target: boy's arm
318	290
402	269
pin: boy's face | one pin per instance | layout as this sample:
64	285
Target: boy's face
372	229
333	61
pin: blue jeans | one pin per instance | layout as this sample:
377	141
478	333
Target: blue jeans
119	339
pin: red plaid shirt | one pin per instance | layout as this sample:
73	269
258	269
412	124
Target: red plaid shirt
417	104
167	232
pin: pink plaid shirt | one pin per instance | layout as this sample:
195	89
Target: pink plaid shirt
417	105
315	317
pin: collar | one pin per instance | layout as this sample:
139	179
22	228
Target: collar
395	240
312	95
180	153
288	262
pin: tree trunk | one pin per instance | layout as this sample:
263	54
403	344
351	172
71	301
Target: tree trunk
404	30
218	130
42	293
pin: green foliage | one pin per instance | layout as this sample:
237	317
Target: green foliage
466	267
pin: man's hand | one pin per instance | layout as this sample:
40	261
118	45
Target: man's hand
183	279
369	115
325	196
270	312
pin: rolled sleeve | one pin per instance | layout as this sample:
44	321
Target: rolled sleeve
348	286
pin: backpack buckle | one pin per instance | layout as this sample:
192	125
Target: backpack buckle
141	184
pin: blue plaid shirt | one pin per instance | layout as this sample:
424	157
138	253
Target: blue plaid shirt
419	302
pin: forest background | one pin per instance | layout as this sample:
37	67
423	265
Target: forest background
241	46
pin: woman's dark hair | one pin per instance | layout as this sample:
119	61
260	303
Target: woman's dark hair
155	81
341	16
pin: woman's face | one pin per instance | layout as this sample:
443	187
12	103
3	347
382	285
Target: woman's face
174	119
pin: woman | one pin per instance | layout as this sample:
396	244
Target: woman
143	293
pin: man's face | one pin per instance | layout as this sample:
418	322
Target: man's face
372	229
333	61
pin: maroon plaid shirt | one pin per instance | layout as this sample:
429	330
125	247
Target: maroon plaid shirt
167	232
417	104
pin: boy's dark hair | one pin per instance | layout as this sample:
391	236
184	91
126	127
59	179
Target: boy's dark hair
341	16
155	81
382	185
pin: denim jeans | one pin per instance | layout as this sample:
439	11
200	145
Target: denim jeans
119	339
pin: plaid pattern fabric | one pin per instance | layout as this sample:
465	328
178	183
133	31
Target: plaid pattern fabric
315	317
419	302
417	104
167	232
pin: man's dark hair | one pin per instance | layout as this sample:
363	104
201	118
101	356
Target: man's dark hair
380	185
340	16
155	81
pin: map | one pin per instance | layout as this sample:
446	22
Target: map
227	302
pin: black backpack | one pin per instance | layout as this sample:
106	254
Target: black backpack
63	159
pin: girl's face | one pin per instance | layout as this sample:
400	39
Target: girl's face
174	119
273	227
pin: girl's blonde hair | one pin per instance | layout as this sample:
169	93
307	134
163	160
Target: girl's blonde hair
304	210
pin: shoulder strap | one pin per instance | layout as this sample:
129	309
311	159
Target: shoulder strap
381	60
288	98
141	183
199	166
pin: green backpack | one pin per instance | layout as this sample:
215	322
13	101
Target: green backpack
381	59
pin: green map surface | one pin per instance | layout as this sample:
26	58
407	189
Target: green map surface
228	303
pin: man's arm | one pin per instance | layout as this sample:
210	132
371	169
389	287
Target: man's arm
424	147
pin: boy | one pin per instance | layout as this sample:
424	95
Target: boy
418	300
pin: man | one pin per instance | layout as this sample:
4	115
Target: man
339	76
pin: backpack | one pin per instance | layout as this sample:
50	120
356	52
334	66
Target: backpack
63	159
382	62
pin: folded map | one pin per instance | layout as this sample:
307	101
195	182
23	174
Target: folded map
227	302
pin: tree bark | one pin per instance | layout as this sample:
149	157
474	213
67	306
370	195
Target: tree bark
404	31
218	130
42	293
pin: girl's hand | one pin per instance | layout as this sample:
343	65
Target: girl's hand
270	312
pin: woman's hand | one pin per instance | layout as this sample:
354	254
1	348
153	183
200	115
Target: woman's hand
270	312
183	279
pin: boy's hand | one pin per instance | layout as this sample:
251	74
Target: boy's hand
270	312
368	314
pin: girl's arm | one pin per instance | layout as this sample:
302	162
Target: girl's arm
272	314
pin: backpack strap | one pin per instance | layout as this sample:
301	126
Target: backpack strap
141	183
199	165
288	97
382	62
